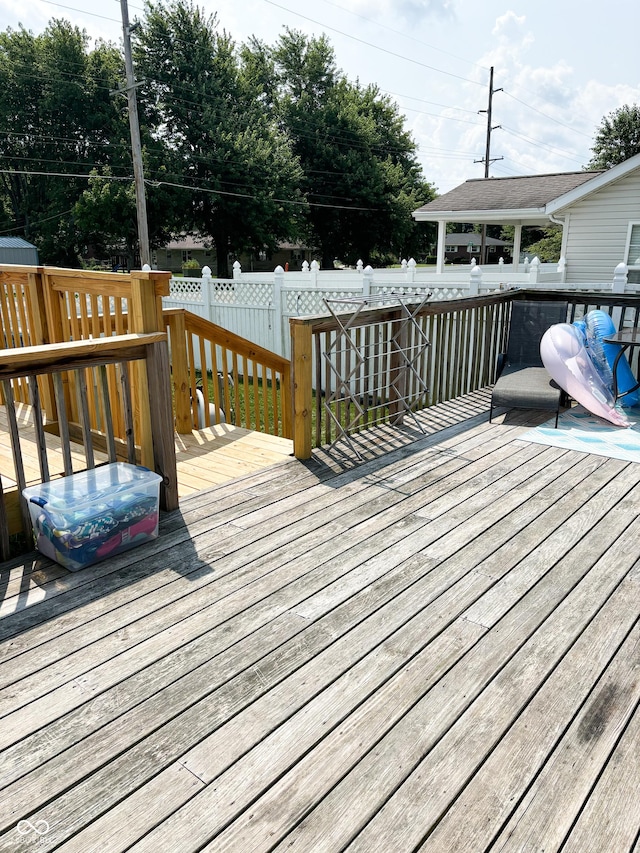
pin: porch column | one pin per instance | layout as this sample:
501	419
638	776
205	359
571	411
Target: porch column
517	240
442	237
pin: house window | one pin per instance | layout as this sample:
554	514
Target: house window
186	256
491	250
633	252
451	248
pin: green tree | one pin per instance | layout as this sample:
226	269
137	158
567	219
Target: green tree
361	174
238	168
547	248
617	138
58	120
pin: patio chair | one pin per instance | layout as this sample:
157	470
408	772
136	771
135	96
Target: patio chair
523	382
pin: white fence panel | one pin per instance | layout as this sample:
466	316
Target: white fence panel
257	306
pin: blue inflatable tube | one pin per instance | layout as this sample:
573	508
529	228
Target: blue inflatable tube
599	326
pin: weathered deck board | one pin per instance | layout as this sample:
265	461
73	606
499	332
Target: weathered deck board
410	652
205	458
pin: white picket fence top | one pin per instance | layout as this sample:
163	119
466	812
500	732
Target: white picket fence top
258	306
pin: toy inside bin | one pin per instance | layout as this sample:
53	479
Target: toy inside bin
84	518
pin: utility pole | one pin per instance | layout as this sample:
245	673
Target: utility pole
136	148
487	156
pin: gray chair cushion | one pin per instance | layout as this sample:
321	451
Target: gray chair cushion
526	388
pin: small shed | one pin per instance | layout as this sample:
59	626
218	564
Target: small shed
15	250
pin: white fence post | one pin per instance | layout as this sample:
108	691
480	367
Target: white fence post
534	271
562	268
278	316
475	280
411	270
367	280
207	293
619	285
237	270
315	269
620	278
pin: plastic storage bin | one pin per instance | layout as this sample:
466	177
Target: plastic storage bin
84	518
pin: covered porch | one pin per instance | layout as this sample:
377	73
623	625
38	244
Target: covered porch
435	648
529	200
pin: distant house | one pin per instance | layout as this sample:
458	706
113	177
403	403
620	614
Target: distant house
460	247
599	213
15	250
182	251
177	255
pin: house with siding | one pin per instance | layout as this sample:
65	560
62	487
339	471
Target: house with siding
460	247
599	213
184	250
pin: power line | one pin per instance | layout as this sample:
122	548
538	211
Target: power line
80	11
544	115
38	222
64	174
257	198
405	36
156	183
537	142
374	46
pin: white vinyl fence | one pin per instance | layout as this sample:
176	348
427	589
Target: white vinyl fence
258	306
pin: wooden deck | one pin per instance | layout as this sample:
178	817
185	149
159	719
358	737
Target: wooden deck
437	649
205	458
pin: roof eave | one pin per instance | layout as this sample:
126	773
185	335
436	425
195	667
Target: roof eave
522	215
595	184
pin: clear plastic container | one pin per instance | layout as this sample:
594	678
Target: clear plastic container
92	515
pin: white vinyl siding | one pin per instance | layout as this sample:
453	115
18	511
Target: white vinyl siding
597	231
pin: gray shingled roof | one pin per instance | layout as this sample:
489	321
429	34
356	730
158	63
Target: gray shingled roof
528	192
15	243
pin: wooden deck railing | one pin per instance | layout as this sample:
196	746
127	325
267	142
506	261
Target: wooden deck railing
233	378
465	337
40	305
29	364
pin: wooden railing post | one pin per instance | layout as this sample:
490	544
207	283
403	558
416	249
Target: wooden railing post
161	415
143	318
41	335
287	407
301	372
180	372
54	301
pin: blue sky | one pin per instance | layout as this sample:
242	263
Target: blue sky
562	64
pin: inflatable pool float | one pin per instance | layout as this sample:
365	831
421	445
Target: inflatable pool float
599	326
567	361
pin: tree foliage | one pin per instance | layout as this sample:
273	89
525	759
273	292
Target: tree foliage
547	248
246	146
361	174
57	116
240	173
617	138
